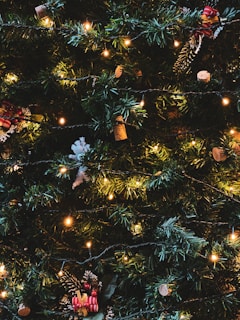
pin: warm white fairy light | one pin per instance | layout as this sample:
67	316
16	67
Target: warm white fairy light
62	121
46	22
111	196
3	294
232	131
10	78
89	244
87	25
60	273
233	236
2	268
3	271
225	101
193	142
63	169
105	180
214	257
68	221
176	43
127	42
106	53
142	103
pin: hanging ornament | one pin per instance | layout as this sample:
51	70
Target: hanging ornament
84	293
41	11
118	71
23	311
203	76
119	129
110	314
79	148
236	148
12	119
210	27
219	154
164	290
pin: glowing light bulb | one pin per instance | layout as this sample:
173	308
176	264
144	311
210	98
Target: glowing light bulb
89	244
127	42
10	78
225	101
106	53
232	131
233	236
63	169
214	257
87	25
110	196
47	22
125	258
105	180
60	273
2	268
3	294
142	103
155	148
193	142
68	221
62	121
3	272
176	43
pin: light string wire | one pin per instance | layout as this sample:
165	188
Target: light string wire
184	174
70	30
19	84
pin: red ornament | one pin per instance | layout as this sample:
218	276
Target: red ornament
86	286
210	12
5	123
76	304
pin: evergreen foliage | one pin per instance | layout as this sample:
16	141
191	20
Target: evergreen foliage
126	142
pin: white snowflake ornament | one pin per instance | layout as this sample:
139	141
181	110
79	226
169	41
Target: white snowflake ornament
79	148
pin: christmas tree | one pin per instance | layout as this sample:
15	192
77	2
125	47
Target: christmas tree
120	149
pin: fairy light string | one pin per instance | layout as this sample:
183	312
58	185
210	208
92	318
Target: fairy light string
70	30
